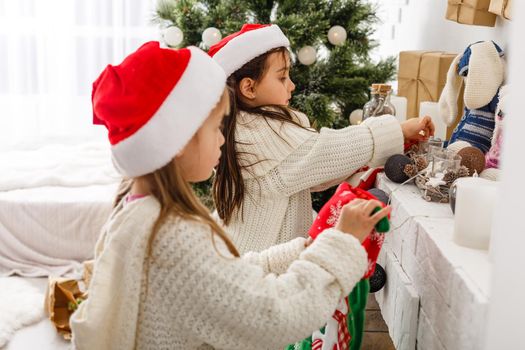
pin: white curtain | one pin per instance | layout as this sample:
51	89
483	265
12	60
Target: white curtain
50	53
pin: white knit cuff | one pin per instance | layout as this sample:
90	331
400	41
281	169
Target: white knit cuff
388	138
281	256
341	254
277	258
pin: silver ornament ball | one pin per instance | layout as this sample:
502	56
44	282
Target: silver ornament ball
337	35
211	36
356	117
173	36
307	55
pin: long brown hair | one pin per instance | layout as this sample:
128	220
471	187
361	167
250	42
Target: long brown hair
228	187
177	199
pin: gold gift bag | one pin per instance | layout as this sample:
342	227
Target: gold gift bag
501	8
474	12
62	298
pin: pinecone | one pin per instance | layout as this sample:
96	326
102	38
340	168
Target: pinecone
462	171
450	177
421	162
421	181
410	170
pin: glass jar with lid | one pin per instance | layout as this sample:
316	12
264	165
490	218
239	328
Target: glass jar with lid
379	103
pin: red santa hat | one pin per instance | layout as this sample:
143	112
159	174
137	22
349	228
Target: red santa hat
239	48
153	103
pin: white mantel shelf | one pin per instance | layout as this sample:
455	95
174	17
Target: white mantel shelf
437	292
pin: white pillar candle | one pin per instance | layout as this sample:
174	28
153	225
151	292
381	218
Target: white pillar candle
432	110
400	104
475	203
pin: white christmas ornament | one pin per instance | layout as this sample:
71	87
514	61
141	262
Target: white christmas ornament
173	36
356	117
307	55
337	35
211	36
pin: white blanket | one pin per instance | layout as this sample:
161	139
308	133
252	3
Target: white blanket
21	304
53	203
50	230
57	165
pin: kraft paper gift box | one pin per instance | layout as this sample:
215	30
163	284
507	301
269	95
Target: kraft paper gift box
501	8
422	76
474	12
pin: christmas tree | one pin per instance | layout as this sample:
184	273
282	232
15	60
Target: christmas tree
329	88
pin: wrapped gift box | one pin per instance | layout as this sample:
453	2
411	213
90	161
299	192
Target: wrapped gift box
501	8
474	12
421	77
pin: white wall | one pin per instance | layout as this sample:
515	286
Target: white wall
507	305
421	25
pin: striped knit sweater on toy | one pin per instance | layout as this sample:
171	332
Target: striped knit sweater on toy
481	68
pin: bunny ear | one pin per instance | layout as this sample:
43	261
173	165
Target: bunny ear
448	101
485	75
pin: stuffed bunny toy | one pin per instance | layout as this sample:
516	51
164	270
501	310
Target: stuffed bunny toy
482	68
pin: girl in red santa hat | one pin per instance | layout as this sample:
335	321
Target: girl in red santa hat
166	275
272	159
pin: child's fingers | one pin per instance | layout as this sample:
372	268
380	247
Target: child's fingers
428	126
380	214
423	129
370	206
431	129
355	203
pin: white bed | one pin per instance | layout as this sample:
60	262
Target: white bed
53	203
51	230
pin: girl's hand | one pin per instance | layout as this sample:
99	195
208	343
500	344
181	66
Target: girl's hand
356	217
418	129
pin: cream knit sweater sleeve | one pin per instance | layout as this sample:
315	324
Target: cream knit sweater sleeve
277	258
231	303
333	155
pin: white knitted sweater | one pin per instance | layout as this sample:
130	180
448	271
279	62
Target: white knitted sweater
292	162
198	296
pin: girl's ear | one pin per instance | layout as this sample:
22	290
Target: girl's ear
247	88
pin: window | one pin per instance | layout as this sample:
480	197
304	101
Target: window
50	53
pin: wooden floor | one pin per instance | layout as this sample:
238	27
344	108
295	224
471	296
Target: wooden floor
376	332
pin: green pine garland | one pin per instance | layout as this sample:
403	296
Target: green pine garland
328	90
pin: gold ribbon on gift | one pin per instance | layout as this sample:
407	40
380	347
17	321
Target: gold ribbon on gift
470	12
411	85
